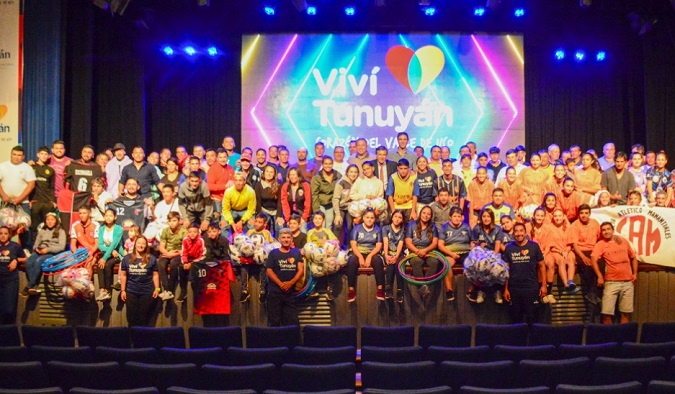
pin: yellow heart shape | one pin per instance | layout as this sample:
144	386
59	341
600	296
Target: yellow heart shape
431	61
3	111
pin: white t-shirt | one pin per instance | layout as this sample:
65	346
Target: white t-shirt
14	178
162	209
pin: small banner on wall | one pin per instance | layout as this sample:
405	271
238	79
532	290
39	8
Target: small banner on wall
10	75
649	230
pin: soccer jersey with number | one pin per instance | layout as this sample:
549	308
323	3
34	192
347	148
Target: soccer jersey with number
129	212
79	175
211	287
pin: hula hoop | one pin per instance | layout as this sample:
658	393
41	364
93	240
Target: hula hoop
427	280
63	260
309	286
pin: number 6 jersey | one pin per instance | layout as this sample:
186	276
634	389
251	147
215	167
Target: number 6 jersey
79	175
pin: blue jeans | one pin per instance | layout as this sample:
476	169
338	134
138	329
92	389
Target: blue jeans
236	215
34	268
330	216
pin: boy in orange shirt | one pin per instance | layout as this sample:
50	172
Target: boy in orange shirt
586	235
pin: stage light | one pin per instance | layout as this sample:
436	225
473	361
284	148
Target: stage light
479	11
559	55
190	50
350	11
429	11
167	50
519	12
580	56
269	10
601	56
213	51
311	10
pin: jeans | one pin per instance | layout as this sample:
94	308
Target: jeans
34	268
272	224
330	216
392	273
105	274
169	280
236	215
245	273
377	263
417	266
217	209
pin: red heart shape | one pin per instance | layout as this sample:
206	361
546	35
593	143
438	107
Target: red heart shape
398	60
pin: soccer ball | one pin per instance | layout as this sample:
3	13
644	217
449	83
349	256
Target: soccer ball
309	249
331	248
80	286
317	270
527	211
247	248
319	255
68	292
90	290
341	258
258	240
379	205
260	256
239	239
355	209
332	265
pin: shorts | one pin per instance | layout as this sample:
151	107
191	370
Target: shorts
624	291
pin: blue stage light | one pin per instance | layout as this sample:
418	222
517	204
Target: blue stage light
311	10
190	50
350	11
213	51
559	54
601	56
519	12
580	56
479	11
430	11
167	50
270	10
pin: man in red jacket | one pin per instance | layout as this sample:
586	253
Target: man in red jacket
219	178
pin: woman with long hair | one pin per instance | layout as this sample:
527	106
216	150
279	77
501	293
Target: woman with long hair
342	196
639	171
549	204
659	178
426	188
111	245
140	283
558	253
173	176
51	240
421	238
267	197
454	242
393	243
323	189
555	183
513	189
569	200
488	235
479	194
366	245
296	198
587	177
534	181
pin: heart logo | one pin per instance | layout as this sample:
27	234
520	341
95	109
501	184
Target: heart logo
3	111
415	70
525	252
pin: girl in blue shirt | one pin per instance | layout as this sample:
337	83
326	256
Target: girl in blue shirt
421	238
366	244
393	239
111	244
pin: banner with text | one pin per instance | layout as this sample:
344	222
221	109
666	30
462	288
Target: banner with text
440	89
647	229
10	64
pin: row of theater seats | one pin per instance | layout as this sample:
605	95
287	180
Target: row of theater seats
318	336
546	375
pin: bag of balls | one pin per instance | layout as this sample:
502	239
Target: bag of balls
326	259
485	267
76	284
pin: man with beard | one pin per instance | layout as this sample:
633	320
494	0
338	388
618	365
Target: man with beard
81	172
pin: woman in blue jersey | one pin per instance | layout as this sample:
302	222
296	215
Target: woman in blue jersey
140	283
425	189
454	241
366	244
488	235
421	237
393	243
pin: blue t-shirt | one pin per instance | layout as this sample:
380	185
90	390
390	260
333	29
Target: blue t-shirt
490	238
284	265
523	262
425	187
394	238
423	241
139	276
366	239
8	253
457	239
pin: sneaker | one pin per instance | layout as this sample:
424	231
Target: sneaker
103	296
329	293
544	299
480	297
471	296
244	297
388	293
549	299
399	296
499	299
380	295
449	295
34	290
117	286
263	297
165	295
312	295
352	296
572	287
24	292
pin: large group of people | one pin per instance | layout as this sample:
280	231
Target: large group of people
162	215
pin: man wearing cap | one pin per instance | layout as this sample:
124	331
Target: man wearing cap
252	174
113	170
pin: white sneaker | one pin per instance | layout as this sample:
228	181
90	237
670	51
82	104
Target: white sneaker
551	299
498	297
166	295
480	297
103	295
544	299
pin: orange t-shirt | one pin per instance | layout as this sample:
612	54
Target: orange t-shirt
586	235
617	258
557	237
480	195
535	182
512	193
569	204
587	179
552	184
537	235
